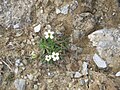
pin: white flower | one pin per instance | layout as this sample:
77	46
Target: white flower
49	34
55	56
48	57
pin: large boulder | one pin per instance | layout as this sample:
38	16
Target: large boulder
107	42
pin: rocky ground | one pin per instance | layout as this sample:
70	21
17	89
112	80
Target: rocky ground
92	61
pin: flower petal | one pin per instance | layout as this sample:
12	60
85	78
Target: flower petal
48	57
53	56
57	58
53	53
57	54
46	36
49	31
54	59
51	37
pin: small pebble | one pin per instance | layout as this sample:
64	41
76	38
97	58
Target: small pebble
16	26
21	64
117	74
86	80
30	76
17	62
37	28
77	75
18	34
73	47
50	74
25	77
35	87
1	63
48	27
84	68
41	11
64	9
16	70
23	68
0	35
57	11
49	80
82	82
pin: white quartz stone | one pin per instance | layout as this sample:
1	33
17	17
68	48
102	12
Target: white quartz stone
117	74
37	28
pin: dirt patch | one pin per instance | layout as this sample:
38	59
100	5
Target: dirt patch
81	18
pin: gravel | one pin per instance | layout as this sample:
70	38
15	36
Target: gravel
19	84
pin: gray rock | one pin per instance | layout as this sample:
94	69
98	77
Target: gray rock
0	79
71	74
49	80
58	11
16	70
10	45
73	5
16	26
17	62
19	33
74	47
76	34
99	61
30	76
107	42
0	36
77	75
85	68
19	84
51	74
48	27
117	74
82	82
37	28
62	10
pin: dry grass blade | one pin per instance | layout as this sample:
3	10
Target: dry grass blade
7	65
